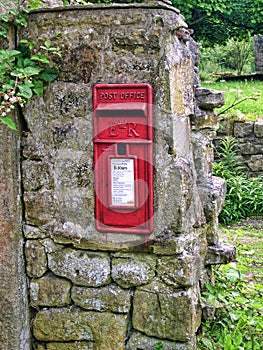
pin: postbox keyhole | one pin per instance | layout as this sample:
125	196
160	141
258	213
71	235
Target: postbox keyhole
121	149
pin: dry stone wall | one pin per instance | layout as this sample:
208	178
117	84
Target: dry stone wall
249	138
90	290
258	42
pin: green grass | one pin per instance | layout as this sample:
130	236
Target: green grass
238	90
237	293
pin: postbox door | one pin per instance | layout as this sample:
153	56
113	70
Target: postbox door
123	164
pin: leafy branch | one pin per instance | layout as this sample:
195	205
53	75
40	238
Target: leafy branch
23	70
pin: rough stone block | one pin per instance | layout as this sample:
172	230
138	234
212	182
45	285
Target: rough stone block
110	298
209	99
182	271
39	207
50	291
255	162
174	315
133	270
243	129
220	254
32	232
35	175
251	146
258	128
168	243
141	341
107	331
81	267
83	345
36	259
212	194
204	120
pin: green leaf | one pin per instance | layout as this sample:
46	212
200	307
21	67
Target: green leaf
30	70
38	88
30	44
25	91
40	58
9	122
208	343
49	74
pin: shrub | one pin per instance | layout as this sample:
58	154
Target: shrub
244	197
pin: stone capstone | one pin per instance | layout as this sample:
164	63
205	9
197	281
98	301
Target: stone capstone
81	267
110	298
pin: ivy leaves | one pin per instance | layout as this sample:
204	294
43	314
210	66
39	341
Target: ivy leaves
23	70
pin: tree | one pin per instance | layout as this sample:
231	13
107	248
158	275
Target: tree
216	21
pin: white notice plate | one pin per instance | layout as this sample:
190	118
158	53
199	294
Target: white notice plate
122	182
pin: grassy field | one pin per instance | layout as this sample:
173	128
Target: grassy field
237	294
237	90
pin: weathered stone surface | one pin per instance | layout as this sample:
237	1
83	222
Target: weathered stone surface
252	146
255	162
203	154
182	271
81	267
50	291
14	312
169	243
35	175
220	254
63	324
110	298
130	43
32	232
36	259
83	345
106	330
258	128
209	99
212	194
133	270
204	120
244	129
174	315
258	41
39	207
141	341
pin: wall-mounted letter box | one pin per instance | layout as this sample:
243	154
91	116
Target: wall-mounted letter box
123	157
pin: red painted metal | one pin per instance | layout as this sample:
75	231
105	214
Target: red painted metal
123	157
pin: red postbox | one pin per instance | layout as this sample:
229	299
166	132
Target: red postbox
123	157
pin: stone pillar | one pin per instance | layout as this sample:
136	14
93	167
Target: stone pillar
258	41
14	320
112	291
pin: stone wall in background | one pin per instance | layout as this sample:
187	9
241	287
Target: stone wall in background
97	291
258	42
249	138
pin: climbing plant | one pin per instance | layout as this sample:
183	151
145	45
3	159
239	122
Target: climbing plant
23	69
